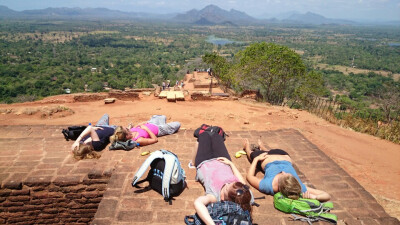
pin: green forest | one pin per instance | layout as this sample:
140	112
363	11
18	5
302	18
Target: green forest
43	58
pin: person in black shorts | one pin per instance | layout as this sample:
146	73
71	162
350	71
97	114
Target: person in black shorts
260	149
93	138
279	174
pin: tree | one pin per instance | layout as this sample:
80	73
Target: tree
97	86
312	85
220	68
389	97
275	70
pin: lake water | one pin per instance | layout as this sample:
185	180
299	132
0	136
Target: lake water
218	41
394	44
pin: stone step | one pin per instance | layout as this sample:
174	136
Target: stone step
171	96
179	96
163	94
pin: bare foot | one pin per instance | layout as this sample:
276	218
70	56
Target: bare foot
246	148
261	145
246	145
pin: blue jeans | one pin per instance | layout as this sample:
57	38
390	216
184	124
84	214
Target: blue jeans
164	128
104	121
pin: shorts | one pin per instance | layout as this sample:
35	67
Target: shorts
256	153
99	145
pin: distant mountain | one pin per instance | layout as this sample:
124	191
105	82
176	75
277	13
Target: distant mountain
6	12
203	21
313	18
215	15
285	15
210	15
78	13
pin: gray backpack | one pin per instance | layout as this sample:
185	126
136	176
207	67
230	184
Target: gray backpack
166	176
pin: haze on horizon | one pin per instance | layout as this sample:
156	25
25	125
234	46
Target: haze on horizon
366	10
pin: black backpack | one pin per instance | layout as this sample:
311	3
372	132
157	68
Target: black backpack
223	212
73	132
210	130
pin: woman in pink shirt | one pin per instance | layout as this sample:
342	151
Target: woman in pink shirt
147	133
219	176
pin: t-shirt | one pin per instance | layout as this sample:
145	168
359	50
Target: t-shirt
213	174
142	133
274	168
104	136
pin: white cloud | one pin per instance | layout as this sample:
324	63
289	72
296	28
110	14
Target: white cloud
161	3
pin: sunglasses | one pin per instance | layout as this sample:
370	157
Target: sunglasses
242	190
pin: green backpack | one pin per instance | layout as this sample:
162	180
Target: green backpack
311	210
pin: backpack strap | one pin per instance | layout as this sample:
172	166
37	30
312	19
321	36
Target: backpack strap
317	209
328	217
327	206
252	201
65	133
189	220
304	219
170	161
143	168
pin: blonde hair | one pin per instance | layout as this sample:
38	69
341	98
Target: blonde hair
289	186
120	134
85	152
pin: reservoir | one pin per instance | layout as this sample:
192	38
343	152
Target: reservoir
218	41
394	44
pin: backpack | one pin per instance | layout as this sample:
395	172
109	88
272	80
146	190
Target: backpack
223	212
73	132
123	145
311	210
210	130
166	176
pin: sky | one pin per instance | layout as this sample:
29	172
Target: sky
367	10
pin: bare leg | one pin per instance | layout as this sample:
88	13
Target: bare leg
246	148
261	145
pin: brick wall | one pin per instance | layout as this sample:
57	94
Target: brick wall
61	201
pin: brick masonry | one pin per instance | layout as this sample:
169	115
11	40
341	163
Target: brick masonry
42	183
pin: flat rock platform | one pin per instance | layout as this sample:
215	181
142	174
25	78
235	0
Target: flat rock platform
42	183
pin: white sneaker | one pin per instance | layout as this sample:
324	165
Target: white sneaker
191	166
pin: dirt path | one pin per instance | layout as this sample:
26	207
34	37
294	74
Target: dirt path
371	161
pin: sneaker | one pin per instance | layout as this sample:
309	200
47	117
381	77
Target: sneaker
191	166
